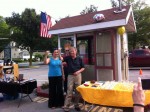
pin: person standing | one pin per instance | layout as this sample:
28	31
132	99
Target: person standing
55	76
75	67
65	69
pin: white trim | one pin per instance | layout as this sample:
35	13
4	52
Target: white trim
127	51
115	23
119	58
58	41
130	13
74	40
134	21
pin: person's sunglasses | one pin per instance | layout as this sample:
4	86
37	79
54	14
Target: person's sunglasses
66	50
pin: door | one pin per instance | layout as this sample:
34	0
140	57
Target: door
85	46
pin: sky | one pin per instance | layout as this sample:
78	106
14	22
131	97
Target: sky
55	8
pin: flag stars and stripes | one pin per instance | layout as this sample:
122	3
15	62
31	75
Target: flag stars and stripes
46	24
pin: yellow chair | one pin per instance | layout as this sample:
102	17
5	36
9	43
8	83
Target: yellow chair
1	71
16	71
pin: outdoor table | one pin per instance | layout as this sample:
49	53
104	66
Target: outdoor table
109	93
23	87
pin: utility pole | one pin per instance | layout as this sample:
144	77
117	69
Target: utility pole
120	5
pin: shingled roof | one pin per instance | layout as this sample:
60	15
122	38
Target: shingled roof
85	22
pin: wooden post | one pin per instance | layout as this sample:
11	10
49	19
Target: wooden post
124	58
124	61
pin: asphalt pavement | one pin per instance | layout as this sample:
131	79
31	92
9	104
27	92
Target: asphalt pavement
39	104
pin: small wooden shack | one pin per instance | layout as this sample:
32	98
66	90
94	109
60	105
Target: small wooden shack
103	45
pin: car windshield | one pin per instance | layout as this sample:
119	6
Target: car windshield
139	52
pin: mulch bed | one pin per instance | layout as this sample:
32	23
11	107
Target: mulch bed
42	92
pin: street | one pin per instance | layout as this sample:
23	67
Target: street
134	74
40	73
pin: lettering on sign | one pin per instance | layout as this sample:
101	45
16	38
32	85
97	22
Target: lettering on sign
97	108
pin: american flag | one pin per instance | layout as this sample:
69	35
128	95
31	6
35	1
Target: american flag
46	24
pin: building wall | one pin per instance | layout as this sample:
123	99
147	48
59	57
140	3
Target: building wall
15	52
18	53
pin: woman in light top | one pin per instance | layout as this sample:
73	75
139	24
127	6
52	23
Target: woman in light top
55	77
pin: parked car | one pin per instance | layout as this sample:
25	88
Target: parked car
139	57
1	62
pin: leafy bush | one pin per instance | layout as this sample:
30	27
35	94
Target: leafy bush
37	55
18	60
25	60
45	85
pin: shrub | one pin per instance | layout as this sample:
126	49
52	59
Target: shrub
45	85
37	55
18	60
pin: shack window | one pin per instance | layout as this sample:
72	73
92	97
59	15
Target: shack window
103	49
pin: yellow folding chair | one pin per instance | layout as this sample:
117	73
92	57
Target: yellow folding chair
1	72
16	71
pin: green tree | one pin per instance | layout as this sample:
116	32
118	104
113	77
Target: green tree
26	30
142	37
4	34
114	3
38	55
141	13
91	9
138	4
47	43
